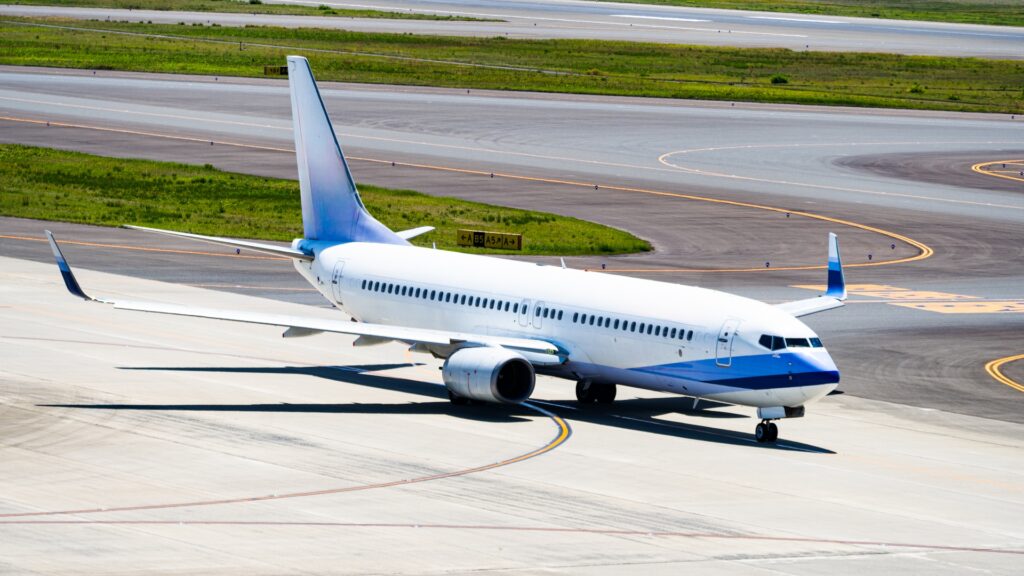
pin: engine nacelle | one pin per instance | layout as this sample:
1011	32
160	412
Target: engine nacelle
489	375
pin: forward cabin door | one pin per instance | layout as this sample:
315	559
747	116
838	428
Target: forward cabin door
336	280
723	348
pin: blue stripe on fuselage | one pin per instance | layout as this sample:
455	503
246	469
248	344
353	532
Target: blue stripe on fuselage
756	372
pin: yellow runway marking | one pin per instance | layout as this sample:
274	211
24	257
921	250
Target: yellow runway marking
941	302
994	369
891	292
924	250
1008	169
989	307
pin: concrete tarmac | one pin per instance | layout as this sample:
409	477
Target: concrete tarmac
174	425
612	21
184	445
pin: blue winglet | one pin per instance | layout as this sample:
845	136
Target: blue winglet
65	270
836	281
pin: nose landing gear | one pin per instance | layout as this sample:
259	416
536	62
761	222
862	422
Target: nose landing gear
766	431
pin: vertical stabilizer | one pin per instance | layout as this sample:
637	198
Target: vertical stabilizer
331	207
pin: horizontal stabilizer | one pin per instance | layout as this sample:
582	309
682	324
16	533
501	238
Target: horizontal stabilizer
414	232
254	246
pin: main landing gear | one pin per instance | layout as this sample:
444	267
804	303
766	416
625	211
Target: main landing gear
766	431
588	392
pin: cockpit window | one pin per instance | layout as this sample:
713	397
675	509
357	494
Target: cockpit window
816	343
772	342
797	343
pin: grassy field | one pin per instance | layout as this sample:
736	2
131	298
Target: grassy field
998	12
242	6
49	184
573	66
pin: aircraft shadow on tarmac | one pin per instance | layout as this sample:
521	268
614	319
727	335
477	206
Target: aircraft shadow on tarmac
637	414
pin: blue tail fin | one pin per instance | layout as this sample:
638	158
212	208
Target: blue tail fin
331	207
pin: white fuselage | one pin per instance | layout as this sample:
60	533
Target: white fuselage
612	329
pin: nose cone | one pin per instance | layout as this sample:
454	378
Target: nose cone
822	371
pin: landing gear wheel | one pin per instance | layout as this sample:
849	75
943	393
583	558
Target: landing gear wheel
458	400
586	392
605	393
766	432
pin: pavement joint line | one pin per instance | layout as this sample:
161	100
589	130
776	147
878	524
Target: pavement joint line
994	369
925	251
533	529
564	432
1016	175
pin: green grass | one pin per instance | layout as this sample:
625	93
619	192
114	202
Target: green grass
573	66
49	184
998	12
243	6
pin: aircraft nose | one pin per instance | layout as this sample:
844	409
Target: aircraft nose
826	374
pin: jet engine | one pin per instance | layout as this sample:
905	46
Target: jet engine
489	375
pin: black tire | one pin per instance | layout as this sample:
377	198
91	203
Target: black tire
458	400
605	393
773	432
761	433
586	392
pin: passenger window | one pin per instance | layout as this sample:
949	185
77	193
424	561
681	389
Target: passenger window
632	326
641	327
583	319
478	302
592	318
616	325
689	335
575	317
657	330
559	314
649	327
515	308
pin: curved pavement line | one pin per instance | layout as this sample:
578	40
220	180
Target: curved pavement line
980	169
562	435
528	529
696	171
924	250
994	369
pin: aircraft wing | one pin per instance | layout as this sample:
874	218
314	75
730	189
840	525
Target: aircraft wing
834	295
538	352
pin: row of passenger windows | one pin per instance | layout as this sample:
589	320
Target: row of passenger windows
539	311
778	342
441	296
630	326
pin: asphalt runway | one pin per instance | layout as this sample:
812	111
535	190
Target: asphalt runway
921	448
611	21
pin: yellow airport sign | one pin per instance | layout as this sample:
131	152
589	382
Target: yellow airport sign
495	240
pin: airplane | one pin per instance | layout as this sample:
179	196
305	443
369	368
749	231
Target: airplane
497	323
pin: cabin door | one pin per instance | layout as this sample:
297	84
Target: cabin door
723	348
336	280
524	313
